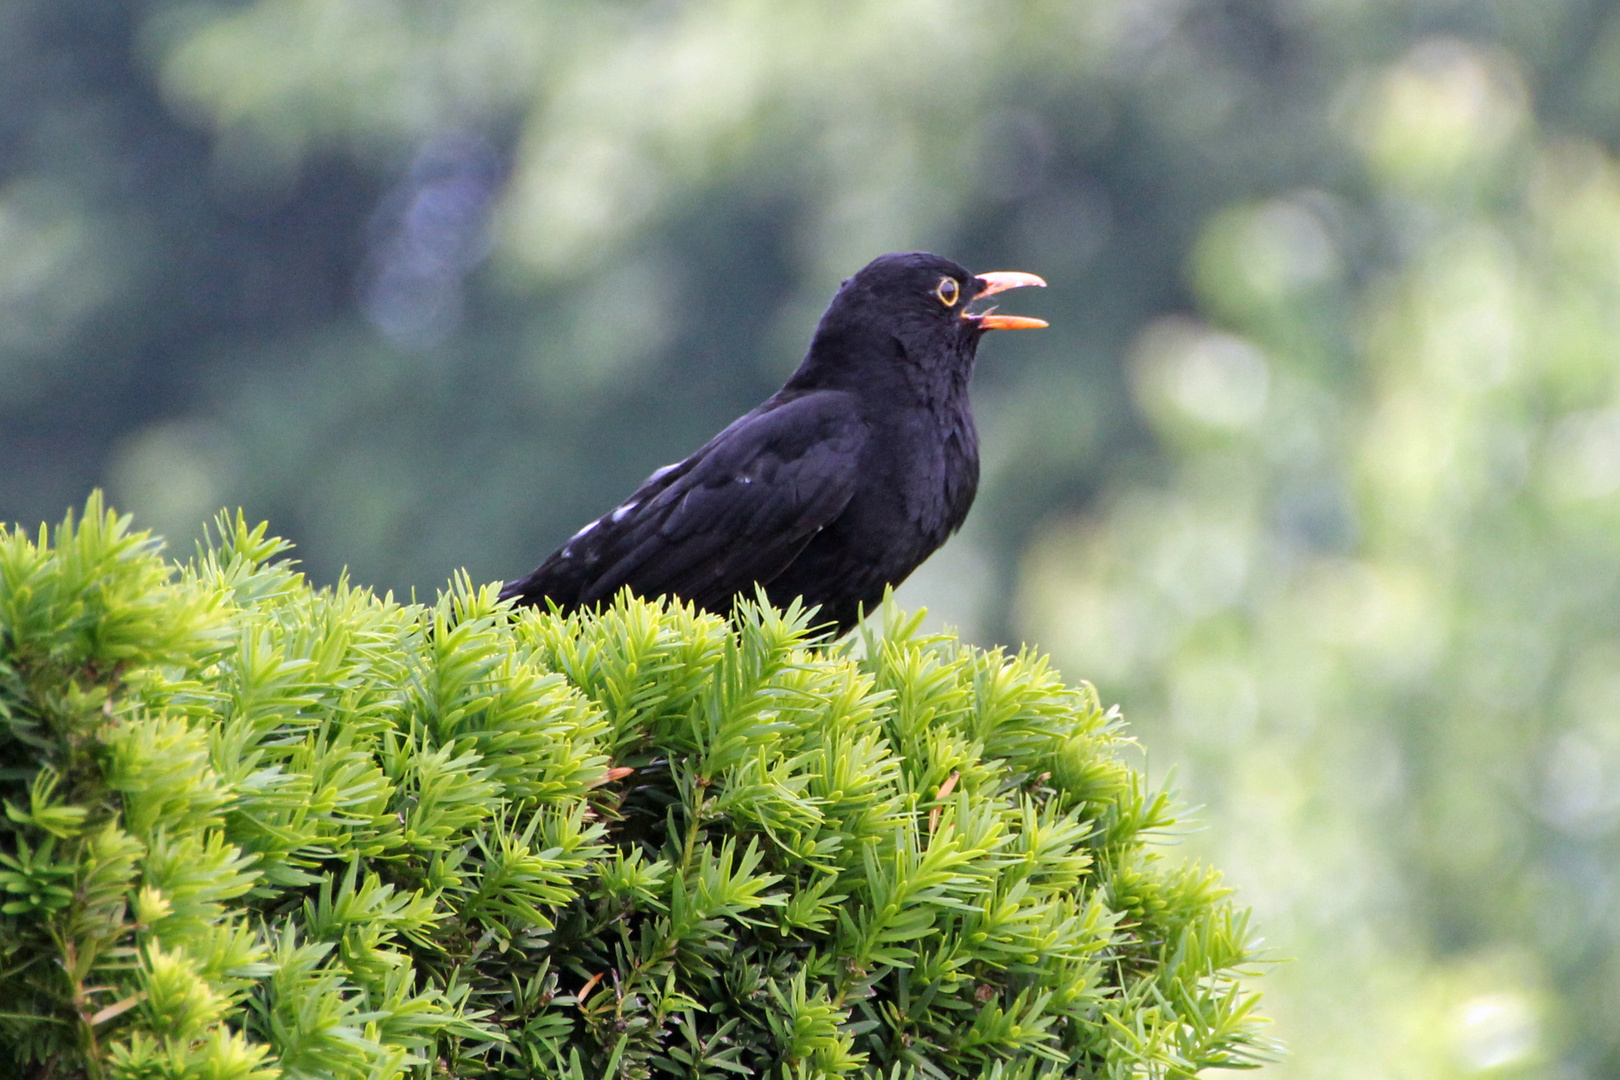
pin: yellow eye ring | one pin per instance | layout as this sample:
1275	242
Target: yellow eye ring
948	291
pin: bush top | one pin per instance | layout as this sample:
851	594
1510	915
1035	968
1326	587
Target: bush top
255	829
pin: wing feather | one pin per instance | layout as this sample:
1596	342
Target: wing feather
735	513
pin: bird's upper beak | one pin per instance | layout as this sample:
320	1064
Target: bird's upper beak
1000	281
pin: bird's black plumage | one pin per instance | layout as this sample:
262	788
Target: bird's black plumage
838	486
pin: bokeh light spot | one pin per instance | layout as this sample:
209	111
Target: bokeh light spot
1443	108
1186	371
1496	1029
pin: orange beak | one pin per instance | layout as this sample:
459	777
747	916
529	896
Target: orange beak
1000	281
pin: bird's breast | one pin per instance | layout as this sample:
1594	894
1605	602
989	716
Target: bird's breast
925	472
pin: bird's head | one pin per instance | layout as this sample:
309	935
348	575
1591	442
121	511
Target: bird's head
924	303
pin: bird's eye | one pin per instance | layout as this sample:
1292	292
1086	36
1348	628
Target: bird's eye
947	290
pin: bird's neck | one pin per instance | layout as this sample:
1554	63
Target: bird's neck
878	362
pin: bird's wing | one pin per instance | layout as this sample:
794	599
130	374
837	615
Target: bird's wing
734	513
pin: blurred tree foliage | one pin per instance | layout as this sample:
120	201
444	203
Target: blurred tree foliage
1318	470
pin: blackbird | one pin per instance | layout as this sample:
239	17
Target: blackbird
837	487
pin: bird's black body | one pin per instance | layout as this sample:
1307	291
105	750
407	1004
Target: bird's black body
837	487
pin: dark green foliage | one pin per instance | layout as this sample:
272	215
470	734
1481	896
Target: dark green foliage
257	830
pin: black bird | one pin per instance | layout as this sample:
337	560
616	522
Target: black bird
841	484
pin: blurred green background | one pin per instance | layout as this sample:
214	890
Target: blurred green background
1317	471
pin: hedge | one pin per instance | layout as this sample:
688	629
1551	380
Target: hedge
257	829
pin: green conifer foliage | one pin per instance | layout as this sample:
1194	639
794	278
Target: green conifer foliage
256	830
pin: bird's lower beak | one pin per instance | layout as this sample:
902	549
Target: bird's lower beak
1000	281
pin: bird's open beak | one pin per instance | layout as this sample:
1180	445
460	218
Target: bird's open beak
1000	281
